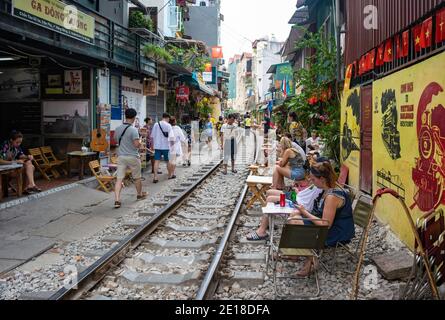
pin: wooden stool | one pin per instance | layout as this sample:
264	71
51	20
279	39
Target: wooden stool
254	170
258	186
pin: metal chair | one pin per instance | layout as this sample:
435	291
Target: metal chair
299	240
361	213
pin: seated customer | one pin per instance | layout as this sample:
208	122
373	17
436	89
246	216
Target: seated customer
10	152
333	205
290	166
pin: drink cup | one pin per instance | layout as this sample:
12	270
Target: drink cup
282	200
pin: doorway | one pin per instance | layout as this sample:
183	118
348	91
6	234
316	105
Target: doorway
366	140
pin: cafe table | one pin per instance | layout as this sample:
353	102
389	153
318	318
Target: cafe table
83	157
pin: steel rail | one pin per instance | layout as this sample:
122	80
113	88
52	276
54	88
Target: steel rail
210	281
87	279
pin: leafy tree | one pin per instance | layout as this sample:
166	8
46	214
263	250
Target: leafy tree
318	104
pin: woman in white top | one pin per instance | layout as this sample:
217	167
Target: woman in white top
313	143
176	148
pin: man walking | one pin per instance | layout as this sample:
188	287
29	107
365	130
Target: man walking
229	134
128	153
163	139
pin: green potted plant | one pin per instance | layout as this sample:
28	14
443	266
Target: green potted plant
157	53
138	20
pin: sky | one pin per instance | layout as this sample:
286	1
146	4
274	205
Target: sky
253	19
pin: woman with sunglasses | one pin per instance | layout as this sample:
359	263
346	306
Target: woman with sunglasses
333	205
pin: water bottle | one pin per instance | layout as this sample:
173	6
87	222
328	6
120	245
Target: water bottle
293	196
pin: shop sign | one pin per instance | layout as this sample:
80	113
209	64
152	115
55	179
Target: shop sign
151	87
182	94
207	76
57	16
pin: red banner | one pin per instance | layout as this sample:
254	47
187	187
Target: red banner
388	57
440	26
427	33
217	53
417	30
380	55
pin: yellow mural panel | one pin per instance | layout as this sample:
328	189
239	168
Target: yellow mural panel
409	142
350	134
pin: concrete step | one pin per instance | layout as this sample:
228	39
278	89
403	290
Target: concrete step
147	259
203	229
173	244
151	279
248	258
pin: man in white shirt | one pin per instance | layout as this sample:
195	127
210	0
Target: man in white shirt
163	139
229	132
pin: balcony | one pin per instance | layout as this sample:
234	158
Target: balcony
112	42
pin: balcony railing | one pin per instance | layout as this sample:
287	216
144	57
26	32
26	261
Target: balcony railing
113	43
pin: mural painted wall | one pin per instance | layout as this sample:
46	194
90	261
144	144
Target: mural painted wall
350	134
409	141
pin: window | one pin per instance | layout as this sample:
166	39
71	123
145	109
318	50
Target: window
114	99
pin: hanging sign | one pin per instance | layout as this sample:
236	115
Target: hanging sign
182	94
151	87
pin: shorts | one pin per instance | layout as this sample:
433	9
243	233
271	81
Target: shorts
159	154
127	162
298	174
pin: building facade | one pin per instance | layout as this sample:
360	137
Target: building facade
265	53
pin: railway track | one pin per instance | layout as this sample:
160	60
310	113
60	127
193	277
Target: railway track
177	251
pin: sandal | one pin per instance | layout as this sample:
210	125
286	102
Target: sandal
28	191
155	181
142	197
36	189
117	204
172	177
234	171
254	236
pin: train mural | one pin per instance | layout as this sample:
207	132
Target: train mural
408	140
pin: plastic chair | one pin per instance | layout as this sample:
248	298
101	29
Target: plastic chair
361	214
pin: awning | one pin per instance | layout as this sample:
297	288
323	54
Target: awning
197	85
206	89
175	69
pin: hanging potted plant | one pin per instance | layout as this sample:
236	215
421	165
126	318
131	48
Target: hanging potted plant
138	20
